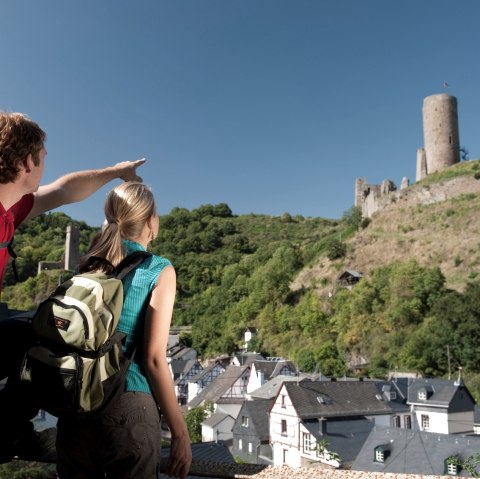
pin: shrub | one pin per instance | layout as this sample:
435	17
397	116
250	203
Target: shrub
336	249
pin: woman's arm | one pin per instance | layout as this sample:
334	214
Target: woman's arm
157	328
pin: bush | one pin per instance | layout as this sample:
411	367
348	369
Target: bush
336	249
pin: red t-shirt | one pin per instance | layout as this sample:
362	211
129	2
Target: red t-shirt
9	220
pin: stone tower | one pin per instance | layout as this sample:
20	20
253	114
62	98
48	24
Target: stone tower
440	135
72	248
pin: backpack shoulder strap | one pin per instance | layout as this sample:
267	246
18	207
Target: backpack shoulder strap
130	262
9	246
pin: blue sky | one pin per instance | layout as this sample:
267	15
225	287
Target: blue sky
270	106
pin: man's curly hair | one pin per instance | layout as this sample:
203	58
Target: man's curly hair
19	136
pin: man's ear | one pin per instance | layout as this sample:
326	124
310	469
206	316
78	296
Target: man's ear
28	163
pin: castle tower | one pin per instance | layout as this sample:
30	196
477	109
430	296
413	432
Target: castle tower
421	164
440	133
360	187
72	248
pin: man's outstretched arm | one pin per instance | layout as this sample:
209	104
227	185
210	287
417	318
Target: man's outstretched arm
79	185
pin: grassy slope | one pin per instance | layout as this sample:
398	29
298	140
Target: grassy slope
445	234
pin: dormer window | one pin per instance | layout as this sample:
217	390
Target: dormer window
382	452
424	393
245	421
389	393
452	466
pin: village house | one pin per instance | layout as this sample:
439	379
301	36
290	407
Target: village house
441	406
202	379
182	371
227	394
265	369
322	421
218	427
251	438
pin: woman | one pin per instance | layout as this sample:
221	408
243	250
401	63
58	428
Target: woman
125	441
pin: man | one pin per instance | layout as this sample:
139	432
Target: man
22	158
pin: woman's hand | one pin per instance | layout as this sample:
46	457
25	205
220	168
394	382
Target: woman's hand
180	456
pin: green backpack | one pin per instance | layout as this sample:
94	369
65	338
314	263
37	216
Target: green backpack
76	365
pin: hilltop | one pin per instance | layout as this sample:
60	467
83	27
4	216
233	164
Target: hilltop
435	222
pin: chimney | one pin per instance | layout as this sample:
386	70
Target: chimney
322	426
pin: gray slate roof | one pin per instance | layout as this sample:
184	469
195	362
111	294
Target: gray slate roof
245	359
211	451
270	389
178	366
442	391
331	399
273	368
414	452
215	419
344	436
215	390
204	372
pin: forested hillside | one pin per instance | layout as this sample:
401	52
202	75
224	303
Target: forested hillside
416	308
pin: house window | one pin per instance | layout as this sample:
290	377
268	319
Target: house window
245	421
422	395
379	455
307	442
396	421
407	421
240	444
393	395
425	422
284	427
250	448
283	400
285	452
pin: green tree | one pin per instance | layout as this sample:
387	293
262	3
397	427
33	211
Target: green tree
194	418
353	217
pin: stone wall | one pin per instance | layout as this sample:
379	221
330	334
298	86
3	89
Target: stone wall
423	195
